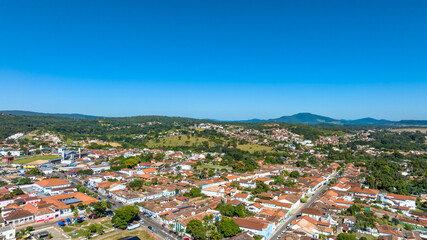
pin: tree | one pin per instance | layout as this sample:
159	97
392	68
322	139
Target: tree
136	184
85	172
211	173
34	171
240	211
195	228
228	227
17	192
99	209
208	220
80	206
195	192
260	187
294	174
279	180
301	164
346	236
124	215
239	166
214	235
24	181
225	209
131	163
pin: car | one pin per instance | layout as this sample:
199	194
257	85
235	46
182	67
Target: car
150	227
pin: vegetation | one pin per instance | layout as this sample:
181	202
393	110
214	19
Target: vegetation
224	228
33	159
124	216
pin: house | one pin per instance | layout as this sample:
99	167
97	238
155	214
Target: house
314	213
256	207
64	201
18	217
181	225
340	187
93	181
387	230
49	185
241	196
105	187
366	193
311	227
99	168
294	199
275	204
43	211
399	200
151	171
256	226
7	232
214	191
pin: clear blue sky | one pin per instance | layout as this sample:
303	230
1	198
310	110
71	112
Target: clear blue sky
226	60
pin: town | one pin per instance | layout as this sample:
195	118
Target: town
213	180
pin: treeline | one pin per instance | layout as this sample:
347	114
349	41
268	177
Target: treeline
404	141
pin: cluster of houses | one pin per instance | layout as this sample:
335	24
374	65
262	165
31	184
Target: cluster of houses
38	202
167	182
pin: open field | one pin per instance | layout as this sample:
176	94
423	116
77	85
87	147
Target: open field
214	167
120	234
182	140
254	147
36	158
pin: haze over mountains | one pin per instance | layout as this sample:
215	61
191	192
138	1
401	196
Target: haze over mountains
66	115
301	118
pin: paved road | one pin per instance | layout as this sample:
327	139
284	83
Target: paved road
161	232
297	211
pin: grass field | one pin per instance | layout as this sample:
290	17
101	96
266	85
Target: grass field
214	167
120	234
32	159
254	147
178	141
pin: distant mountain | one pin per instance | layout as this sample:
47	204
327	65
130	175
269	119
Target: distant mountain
65	115
413	122
309	118
300	118
369	121
306	118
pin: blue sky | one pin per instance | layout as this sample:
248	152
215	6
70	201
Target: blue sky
226	60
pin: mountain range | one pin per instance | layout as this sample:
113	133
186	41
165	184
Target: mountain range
302	118
66	115
309	118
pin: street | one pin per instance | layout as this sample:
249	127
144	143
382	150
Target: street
297	211
163	233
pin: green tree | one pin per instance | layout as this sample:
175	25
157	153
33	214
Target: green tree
195	192
346	236
240	211
100	208
214	235
225	209
211	173
131	163
124	215
228	227
260	187
196	229
294	174
34	171
136	184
